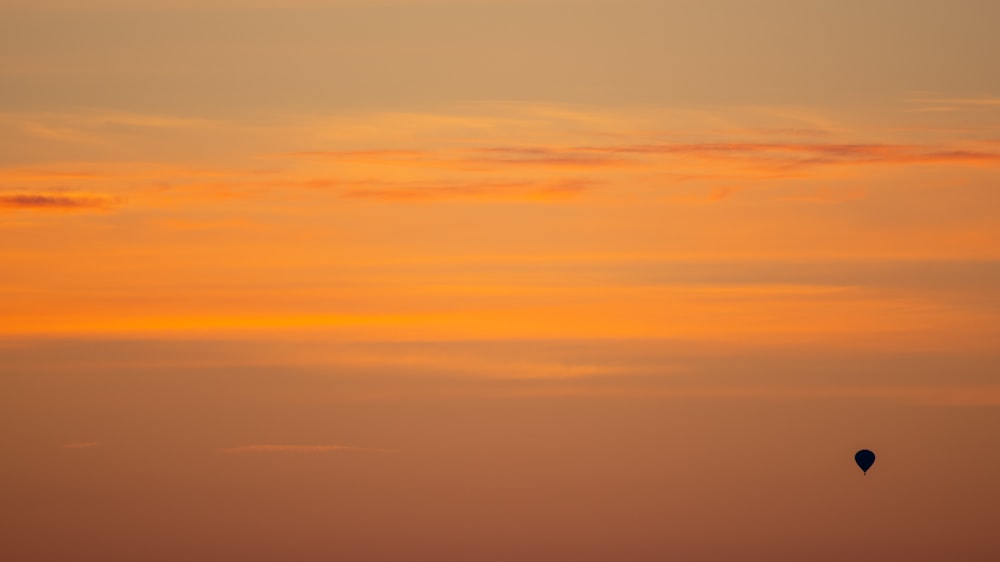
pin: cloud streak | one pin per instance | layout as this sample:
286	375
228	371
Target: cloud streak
500	190
806	153
955	104
557	158
298	449
31	201
554	172
81	445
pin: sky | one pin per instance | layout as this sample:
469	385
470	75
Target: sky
499	280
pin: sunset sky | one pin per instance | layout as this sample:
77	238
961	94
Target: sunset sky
497	280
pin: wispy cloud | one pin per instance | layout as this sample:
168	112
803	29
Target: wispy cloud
520	154
36	201
553	157
363	155
540	172
502	190
299	449
959	396
805	153
826	194
933	105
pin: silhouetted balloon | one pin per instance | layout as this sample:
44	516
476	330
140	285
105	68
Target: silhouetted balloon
865	459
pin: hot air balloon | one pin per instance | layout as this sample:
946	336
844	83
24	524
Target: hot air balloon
865	459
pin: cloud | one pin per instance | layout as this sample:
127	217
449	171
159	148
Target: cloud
298	449
81	445
825	194
53	202
937	105
512	190
762	157
363	155
547	157
805	153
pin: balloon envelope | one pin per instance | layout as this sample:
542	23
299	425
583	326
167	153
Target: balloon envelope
865	459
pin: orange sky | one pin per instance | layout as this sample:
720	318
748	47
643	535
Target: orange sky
495	280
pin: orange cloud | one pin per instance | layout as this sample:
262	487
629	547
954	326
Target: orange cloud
297	449
359	154
814	153
951	396
539	172
554	157
511	190
83	445
54	202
